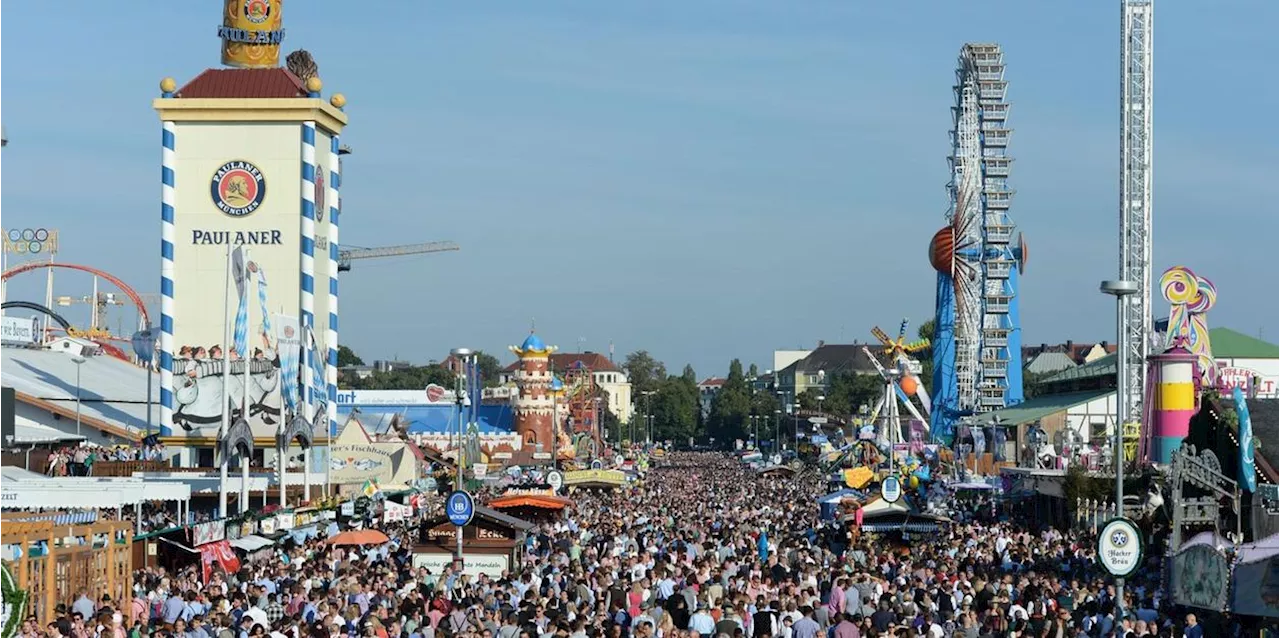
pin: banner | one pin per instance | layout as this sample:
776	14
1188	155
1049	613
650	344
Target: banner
289	347
218	554
1248	470
205	533
200	391
19	330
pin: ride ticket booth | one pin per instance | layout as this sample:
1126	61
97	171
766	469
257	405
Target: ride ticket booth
492	543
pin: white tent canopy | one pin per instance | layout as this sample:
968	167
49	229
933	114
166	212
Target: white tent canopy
74	493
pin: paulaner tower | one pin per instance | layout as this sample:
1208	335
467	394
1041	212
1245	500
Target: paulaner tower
249	157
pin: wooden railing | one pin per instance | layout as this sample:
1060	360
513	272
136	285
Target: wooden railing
127	468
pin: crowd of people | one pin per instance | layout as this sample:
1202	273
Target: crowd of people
699	547
78	460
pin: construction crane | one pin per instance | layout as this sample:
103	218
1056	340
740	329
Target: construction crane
98	318
345	257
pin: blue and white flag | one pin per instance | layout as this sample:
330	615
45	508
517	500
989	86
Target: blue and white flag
289	347
242	327
319	394
262	300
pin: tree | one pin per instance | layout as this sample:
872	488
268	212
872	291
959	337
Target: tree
347	357
689	374
643	371
675	410
753	372
490	369
413	378
730	407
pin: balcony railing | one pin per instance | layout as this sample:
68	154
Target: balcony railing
127	468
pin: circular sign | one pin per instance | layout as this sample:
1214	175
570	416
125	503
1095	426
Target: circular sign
257	11
1120	547
555	479
597	465
891	489
618	460
776	459
460	507
238	188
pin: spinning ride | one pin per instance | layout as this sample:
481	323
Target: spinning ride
977	341
886	415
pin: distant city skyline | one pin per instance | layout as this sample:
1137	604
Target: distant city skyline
703	181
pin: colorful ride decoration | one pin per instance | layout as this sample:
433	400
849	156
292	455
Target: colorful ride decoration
1190	298
13	606
885	415
899	352
1171	402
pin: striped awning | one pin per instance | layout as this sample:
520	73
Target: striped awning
76	518
918	528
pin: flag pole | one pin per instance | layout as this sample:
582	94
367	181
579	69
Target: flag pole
225	427
246	357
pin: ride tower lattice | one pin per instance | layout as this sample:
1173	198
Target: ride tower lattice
978	337
1135	198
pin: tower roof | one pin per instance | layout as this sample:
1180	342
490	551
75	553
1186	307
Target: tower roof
533	346
243	83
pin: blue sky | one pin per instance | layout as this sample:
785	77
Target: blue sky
705	180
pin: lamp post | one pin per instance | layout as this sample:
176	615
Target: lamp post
79	361
1120	289
461	399
777	419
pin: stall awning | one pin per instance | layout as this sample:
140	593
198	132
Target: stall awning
919	528
251	543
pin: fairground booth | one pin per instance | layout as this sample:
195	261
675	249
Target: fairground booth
491	544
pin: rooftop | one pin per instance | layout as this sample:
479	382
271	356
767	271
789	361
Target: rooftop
837	358
243	83
1038	408
112	392
1229	344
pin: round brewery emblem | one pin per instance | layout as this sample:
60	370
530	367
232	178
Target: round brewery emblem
238	188
257	11
1120	547
320	210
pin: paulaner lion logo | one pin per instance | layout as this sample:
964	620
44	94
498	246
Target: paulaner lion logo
238	188
257	11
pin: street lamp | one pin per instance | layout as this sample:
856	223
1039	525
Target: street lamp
1120	288
78	360
462	400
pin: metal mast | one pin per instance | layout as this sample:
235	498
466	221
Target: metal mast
1135	197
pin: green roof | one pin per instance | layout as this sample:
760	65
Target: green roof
1229	344
1040	407
1102	366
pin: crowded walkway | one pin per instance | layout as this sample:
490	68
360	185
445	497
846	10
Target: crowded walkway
700	547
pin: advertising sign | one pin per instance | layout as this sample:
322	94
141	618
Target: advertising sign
204	533
20	330
1120	547
555	479
31	241
891	489
461	508
472	564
